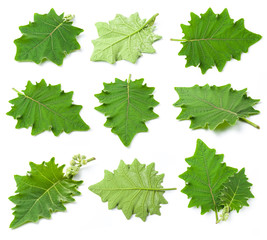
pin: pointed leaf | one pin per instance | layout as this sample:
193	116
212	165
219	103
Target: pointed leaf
213	39
42	191
236	191
124	39
44	108
205	177
135	189
210	106
127	105
49	37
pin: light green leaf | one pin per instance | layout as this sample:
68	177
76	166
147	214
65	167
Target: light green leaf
128	105
213	39
135	189
205	178
44	108
124	39
49	37
236	191
42	191
210	106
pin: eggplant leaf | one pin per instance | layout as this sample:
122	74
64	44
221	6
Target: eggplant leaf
213	39
124	39
49	37
135	189
46	108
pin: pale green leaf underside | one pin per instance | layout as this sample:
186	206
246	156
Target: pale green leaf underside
49	37
213	39
127	105
44	108
42	191
210	106
135	189
204	178
124	39
236	191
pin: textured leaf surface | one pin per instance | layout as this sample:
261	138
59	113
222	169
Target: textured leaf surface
44	108
127	105
205	177
124	39
236	191
210	106
42	191
49	37
135	189
213	39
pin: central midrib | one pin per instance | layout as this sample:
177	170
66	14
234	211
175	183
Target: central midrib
49	109
38	199
49	35
216	39
214	106
234	193
127	36
137	188
127	108
209	184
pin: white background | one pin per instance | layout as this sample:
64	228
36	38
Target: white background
168	141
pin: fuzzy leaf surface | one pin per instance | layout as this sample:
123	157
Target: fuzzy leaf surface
124	39
135	189
46	107
128	105
42	191
209	106
236	191
49	37
213	39
205	178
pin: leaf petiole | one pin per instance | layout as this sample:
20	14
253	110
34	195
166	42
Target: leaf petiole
178	40
249	122
17	91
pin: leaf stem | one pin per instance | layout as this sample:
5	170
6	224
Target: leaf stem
167	189
151	21
129	78
178	40
17	91
249	122
216	214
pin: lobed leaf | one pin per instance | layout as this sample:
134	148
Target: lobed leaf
135	189
211	106
124	39
236	191
213	39
42	191
127	105
49	37
204	178
44	108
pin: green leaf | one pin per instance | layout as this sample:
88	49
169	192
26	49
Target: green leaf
44	108
42	191
210	106
49	37
124	39
236	191
205	178
135	189
213	39
127	105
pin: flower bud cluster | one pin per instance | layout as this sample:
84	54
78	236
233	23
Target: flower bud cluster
225	213
68	18
76	163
